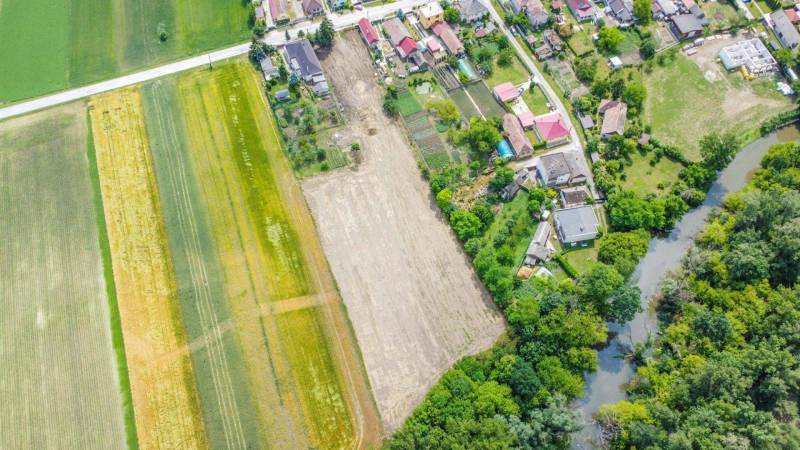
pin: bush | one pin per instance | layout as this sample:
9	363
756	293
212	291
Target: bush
568	269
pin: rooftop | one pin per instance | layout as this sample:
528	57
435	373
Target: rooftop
396	31
614	119
302	58
431	9
687	23
506	91
526	118
516	136
551	126
368	31
577	224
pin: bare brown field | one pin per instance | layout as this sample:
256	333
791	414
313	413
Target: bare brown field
414	301
164	396
59	387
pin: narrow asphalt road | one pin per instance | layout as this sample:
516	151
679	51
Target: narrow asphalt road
276	37
551	94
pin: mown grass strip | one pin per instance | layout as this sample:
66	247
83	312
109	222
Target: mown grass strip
118	340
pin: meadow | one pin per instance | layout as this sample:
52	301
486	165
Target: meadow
253	282
66	43
164	398
60	387
683	105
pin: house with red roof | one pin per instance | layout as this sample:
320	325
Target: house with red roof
368	32
448	36
582	9
506	92
526	119
434	48
513	132
551	129
791	13
406	47
277	9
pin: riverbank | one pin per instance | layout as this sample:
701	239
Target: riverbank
606	385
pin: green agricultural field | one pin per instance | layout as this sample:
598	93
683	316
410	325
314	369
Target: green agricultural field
683	106
641	177
61	388
274	357
66	43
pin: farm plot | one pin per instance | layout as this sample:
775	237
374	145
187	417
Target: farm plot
60	387
292	355
484	99
164	397
414	301
89	40
428	141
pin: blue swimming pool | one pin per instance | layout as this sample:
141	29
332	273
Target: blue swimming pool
504	150
466	69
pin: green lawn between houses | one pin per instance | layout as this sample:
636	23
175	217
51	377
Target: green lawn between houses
683	106
65	43
643	178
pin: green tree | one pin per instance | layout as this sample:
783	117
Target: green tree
452	15
465	224
598	283
481	135
623	304
505	57
648	48
634	94
325	34
443	199
718	149
643	10
623	249
586	69
446	109
609	39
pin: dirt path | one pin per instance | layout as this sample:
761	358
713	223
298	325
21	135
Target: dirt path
414	301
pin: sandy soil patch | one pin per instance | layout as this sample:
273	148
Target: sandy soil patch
414	301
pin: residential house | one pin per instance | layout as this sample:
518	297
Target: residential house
534	10
312	7
539	250
368	32
451	42
699	14
574	196
575	225
622	10
784	29
793	16
526	119
261	14
434	48
278	11
686	26
399	37
614	113
513	132
336	4
552	39
551	129
560	169
505	92
471	10
582	9
268	68
586	122
750	53
663	9
304	64
524	178
282	95
430	13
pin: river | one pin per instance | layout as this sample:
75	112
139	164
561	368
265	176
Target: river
606	385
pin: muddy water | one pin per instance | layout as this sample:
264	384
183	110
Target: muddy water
606	385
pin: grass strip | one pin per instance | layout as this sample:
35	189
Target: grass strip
118	341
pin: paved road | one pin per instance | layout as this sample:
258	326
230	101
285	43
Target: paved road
551	94
276	37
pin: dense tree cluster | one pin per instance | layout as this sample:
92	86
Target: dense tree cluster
726	372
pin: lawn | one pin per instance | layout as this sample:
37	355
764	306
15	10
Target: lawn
164	396
75	42
59	361
682	105
720	14
285	311
643	178
514	72
407	104
581	41
582	258
536	101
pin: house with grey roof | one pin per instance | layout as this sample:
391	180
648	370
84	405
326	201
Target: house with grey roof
574	196
559	169
268	68
395	31
686	26
622	10
303	63
312	7
538	249
575	225
471	10
784	29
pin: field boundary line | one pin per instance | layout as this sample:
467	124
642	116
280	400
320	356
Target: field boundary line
115	320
